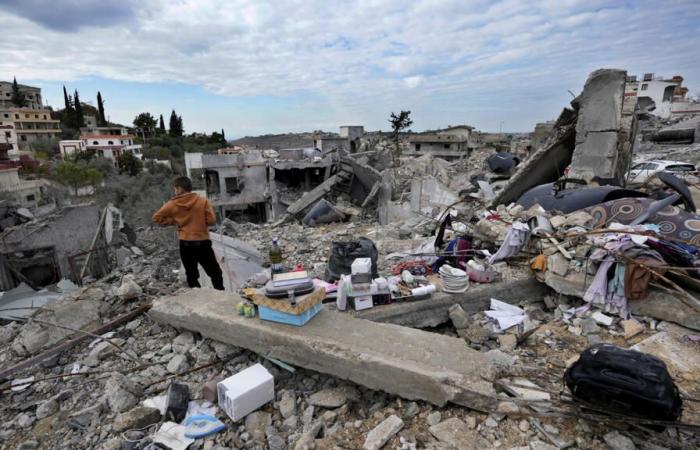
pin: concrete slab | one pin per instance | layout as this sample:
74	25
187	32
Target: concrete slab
681	355
435	310
413	364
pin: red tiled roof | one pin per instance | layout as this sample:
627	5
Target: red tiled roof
107	136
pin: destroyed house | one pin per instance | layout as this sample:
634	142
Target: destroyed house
43	251
450	143
238	182
247	182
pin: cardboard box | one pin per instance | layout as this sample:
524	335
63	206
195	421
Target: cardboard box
363	302
360	266
246	391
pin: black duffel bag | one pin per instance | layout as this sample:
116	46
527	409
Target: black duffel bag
625	382
344	253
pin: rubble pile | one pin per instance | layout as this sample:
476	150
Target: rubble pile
512	277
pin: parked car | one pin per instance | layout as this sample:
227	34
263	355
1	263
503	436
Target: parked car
643	171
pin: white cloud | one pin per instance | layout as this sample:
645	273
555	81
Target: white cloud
366	58
414	81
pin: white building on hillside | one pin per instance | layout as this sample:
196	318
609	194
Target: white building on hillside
105	142
663	97
71	147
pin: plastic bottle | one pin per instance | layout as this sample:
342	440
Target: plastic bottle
276	257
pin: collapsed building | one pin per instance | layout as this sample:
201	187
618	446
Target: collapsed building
71	242
467	358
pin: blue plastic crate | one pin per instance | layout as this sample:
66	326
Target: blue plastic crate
290	319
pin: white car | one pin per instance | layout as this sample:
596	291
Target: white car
641	172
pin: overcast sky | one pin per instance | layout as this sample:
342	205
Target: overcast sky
254	67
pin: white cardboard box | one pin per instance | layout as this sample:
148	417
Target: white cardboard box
361	265
363	302
246	391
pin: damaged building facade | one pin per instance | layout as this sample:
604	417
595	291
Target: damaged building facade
454	142
70	243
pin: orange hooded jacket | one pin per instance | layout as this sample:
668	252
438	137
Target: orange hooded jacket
191	213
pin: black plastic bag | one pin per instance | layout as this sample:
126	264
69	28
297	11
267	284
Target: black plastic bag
344	253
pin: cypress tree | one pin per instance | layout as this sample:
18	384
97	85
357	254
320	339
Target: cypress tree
162	124
100	111
66	99
223	136
79	119
175	128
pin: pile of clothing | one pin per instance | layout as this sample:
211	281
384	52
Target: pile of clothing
627	263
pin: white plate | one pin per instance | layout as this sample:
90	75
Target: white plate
456	291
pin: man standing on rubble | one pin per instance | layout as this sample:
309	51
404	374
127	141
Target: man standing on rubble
192	214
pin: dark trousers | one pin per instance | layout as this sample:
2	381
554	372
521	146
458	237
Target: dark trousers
193	253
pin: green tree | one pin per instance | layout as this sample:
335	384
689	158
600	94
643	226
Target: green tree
399	122
79	119
76	176
156	152
129	164
18	98
176	129
162	124
101	121
66	99
145	123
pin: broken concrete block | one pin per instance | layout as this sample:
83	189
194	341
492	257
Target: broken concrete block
670	345
417	365
136	418
178	364
459	318
526	389
507	342
48	408
75	310
434	418
328	398
508	408
288	406
183	342
558	264
617	441
632	328
381	434
129	288
121	393
589	326
602	319
455	433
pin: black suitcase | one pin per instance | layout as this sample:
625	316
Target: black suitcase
625	382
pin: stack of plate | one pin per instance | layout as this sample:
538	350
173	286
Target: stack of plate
454	281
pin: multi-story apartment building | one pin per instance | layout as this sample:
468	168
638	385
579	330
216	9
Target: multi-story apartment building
31	94
31	125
